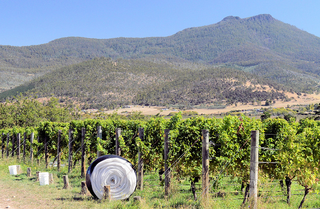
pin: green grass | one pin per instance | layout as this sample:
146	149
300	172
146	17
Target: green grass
54	196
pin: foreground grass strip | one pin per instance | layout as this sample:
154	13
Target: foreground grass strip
22	192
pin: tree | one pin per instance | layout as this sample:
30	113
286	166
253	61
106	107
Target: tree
289	117
265	115
267	103
27	111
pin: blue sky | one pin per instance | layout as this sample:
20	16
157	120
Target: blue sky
36	22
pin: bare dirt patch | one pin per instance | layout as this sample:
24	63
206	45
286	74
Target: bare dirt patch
19	196
153	110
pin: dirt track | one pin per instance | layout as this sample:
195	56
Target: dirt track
7	197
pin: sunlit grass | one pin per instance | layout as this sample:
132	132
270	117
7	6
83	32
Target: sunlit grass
227	195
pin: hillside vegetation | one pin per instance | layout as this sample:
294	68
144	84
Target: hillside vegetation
262	47
102	82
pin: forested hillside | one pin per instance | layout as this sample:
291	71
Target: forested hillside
260	46
103	82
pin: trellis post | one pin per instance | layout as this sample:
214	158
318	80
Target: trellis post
205	163
13	145
3	138
58	150
18	145
46	150
70	150
107	192
8	137
29	172
66	182
166	167
118	134
254	162
38	152
99	135
140	161
31	148
24	146
84	189
83	133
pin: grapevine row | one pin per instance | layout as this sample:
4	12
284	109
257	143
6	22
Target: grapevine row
295	146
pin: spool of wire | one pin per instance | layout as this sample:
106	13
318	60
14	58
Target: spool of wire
111	170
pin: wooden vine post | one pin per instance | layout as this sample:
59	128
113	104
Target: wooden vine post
140	162
58	150
99	135
38	159
84	189
66	182
24	146
37	175
83	172
19	170
107	192
70	151
13	146
46	150
3	138
8	137
29	172
205	163
51	179
118	134
18	145
254	162
166	167
31	147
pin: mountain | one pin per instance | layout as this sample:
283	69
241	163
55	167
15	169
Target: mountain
261	46
257	38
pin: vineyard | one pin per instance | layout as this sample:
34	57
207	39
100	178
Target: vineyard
289	151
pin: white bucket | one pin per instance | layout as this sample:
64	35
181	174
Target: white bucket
44	178
13	170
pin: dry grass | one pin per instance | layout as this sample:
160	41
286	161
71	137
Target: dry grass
153	110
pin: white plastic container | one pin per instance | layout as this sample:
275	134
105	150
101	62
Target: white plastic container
13	170
44	178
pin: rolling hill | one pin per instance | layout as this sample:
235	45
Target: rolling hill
259	46
103	82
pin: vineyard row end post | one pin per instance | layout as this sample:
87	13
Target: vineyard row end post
166	167
254	162
205	163
8	138
3	138
58	150
46	150
24	146
39	140
140	161
83	133
99	135
118	134
31	147
13	145
18	145
70	150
